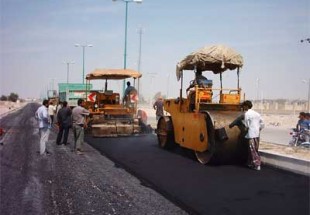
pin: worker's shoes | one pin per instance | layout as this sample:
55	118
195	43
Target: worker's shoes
79	152
258	168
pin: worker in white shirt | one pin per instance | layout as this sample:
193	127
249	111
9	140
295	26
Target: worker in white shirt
51	111
253	123
44	122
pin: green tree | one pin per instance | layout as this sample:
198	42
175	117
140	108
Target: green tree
3	98
13	97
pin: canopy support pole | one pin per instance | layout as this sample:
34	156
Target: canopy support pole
106	85
238	78
86	88
181	91
221	83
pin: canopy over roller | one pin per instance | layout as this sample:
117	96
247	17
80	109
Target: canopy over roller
216	58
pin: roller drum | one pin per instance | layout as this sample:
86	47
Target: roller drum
228	145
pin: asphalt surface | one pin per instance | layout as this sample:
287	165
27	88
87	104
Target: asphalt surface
161	182
224	189
64	182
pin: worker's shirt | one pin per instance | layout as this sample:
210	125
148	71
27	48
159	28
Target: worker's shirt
64	116
78	115
42	116
254	123
128	90
51	110
159	107
202	81
303	124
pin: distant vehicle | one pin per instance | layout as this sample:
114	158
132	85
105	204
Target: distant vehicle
71	92
300	138
52	97
109	116
200	121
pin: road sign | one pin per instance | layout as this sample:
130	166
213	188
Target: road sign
91	97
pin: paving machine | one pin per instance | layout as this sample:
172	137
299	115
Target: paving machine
200	121
110	115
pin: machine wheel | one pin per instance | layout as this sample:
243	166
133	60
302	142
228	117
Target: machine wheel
165	133
205	157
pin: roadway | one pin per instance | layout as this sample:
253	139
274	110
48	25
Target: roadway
225	189
65	183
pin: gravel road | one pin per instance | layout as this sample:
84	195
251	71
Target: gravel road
63	182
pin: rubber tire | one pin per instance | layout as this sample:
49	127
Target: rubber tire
165	133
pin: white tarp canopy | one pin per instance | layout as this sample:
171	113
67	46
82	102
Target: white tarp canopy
216	58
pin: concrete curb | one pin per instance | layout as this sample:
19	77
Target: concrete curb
286	163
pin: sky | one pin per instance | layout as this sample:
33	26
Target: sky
38	37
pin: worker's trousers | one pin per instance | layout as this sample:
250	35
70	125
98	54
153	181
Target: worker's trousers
44	134
78	132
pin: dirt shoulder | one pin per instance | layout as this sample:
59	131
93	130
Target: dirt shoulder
286	151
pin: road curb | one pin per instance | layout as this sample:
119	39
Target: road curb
286	163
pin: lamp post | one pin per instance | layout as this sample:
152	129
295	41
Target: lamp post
152	75
140	31
68	65
308	82
125	48
83	47
307	40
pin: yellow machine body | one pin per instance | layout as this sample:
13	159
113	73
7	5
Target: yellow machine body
109	117
200	122
204	125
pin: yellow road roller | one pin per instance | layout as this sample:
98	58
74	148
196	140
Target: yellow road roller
200	121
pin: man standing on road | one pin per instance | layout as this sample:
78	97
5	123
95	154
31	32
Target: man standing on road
79	114
65	123
159	107
51	112
44	121
253	123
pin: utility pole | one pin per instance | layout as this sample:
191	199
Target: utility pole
307	40
152	75
140	32
68	68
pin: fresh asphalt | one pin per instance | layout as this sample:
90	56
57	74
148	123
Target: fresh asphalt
210	189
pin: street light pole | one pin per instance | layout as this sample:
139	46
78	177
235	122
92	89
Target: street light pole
308	94
68	65
126	22
139	60
307	40
308	82
83	47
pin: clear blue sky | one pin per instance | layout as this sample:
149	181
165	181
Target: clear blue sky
38	36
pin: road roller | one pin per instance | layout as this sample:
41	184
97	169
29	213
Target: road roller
200	121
